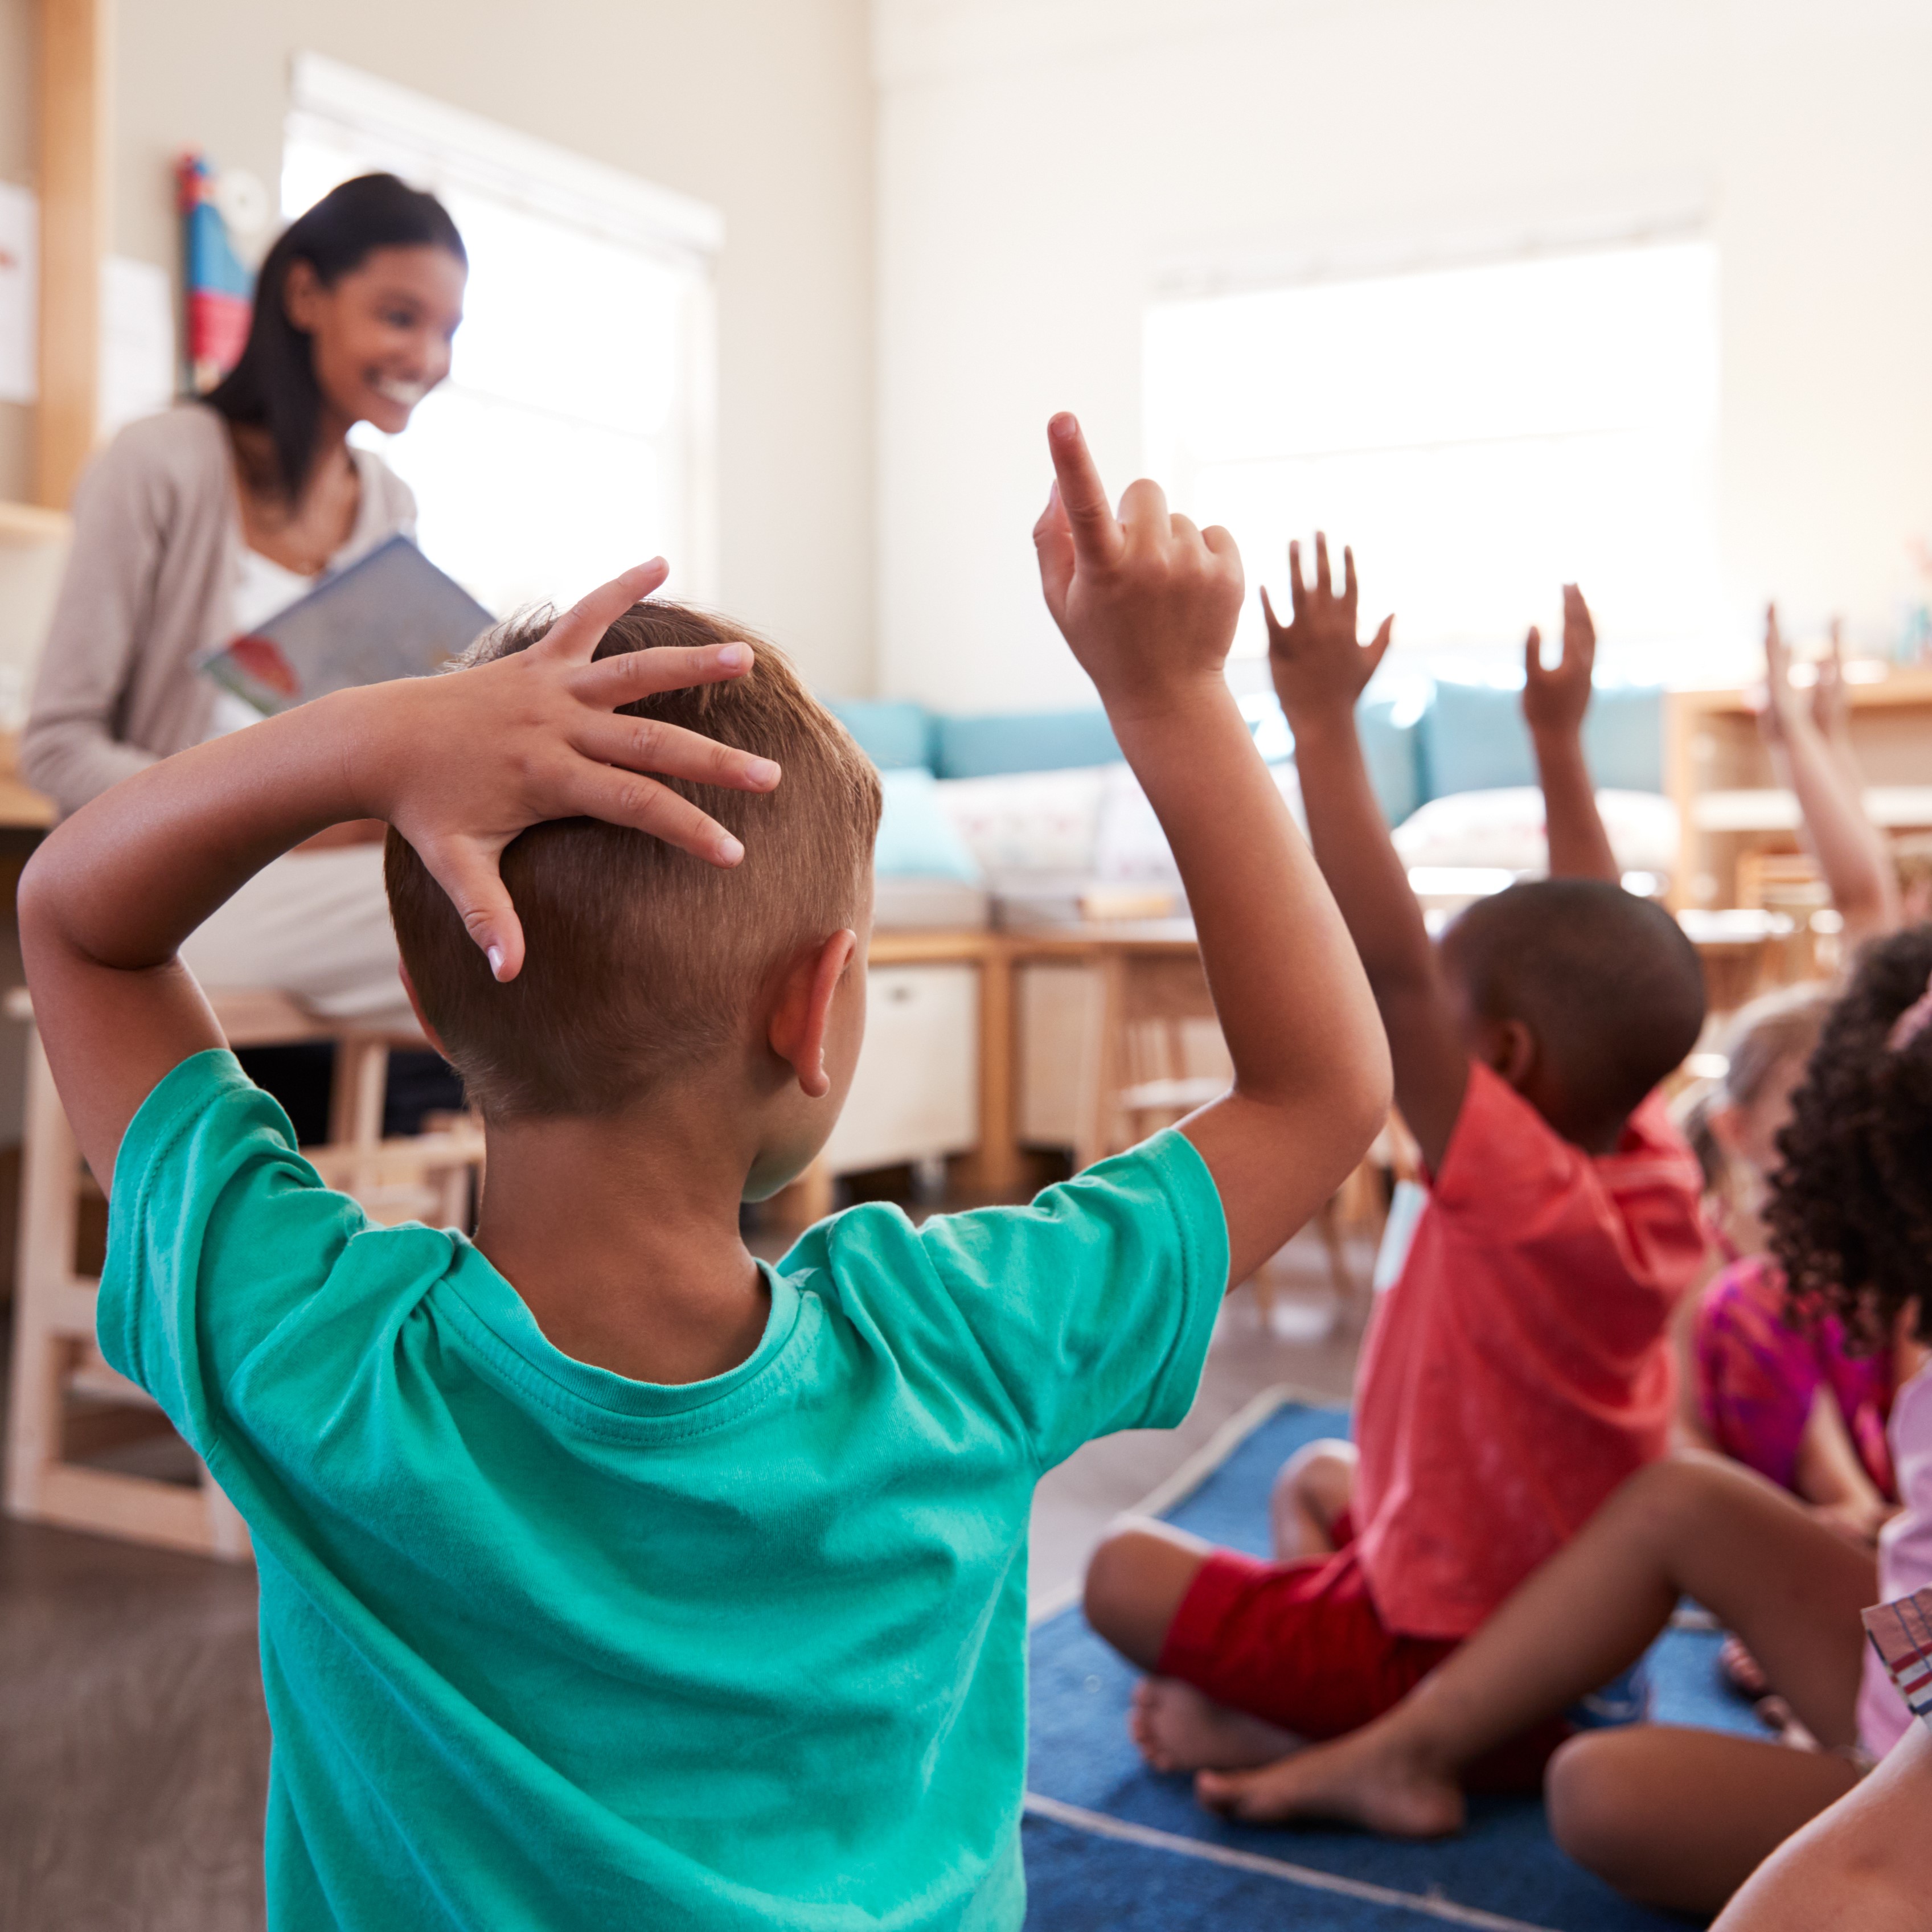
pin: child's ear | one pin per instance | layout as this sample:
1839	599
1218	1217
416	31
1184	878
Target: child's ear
416	1006
803	1014
1509	1049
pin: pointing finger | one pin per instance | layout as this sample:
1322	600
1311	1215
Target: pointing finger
1323	584
1349	579
1532	654
1097	537
1297	592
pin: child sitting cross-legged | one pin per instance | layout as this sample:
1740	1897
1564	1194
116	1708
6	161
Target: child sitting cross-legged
1678	1816
609	1577
1520	1367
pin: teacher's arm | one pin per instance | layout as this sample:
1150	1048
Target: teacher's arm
101	619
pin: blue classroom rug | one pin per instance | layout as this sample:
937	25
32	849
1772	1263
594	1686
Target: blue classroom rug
1112	1847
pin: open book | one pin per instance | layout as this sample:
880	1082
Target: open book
391	613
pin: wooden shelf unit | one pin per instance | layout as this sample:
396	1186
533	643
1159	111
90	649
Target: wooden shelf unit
1712	744
25	524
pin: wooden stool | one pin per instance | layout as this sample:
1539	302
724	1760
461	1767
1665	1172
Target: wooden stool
55	1359
1159	1055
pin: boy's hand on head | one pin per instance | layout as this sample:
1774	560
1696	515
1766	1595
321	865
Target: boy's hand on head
460	764
1318	666
1554	699
1147	602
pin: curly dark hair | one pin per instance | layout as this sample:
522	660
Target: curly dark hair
1851	1202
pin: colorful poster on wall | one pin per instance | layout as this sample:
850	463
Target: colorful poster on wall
216	284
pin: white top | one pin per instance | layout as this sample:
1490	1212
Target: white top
1904	1555
262	587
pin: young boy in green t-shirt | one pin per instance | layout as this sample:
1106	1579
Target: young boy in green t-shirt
607	1575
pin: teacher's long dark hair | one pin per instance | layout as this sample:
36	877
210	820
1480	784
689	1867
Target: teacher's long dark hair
273	387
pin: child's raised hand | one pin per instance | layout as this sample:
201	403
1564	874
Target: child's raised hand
1147	602
1830	710
1317	662
1554	699
460	764
1774	711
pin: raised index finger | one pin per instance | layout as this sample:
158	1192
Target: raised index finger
575	635
1097	537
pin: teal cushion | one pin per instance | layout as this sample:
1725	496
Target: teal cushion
916	837
1391	749
1391	741
1474	739
1623	736
1023	741
895	733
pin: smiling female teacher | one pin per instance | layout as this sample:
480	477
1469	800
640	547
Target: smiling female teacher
194	525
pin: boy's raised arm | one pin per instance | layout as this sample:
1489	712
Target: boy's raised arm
1319	670
458	764
1554	702
1148	603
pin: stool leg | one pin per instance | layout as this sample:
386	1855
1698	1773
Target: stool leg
50	1207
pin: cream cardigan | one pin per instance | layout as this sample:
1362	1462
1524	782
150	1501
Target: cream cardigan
149	585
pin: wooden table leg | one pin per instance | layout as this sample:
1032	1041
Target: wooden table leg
1001	1172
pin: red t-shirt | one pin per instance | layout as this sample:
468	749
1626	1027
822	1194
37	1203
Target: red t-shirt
1520	1367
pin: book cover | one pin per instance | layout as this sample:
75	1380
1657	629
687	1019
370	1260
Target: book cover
391	613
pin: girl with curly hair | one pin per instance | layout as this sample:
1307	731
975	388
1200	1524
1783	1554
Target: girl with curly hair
1675	1817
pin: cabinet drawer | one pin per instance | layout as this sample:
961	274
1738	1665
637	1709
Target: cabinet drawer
915	1092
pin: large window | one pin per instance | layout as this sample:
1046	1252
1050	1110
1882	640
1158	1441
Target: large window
573	437
1481	436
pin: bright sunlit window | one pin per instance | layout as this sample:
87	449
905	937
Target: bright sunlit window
1481	436
573	437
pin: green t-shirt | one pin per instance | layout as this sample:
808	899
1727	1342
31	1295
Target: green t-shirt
546	1647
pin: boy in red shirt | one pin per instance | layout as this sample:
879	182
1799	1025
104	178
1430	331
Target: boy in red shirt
1519	1368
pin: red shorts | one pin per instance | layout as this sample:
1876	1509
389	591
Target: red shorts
1301	1644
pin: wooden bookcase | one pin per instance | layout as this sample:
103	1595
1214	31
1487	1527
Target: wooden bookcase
1719	774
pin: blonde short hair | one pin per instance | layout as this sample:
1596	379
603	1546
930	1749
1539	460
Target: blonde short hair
643	961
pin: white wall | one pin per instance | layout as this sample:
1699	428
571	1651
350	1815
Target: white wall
1045	166
761	107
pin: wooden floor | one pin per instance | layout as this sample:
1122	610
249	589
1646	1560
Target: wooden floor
133	1744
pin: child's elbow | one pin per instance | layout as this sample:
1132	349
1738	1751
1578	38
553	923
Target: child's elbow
1368	1093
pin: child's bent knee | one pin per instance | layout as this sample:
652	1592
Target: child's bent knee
1317	1468
1599	1815
1136	1581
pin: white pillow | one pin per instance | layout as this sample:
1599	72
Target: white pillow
1503	829
1130	847
1028	821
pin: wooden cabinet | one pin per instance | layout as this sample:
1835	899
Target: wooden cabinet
1720	775
915	1093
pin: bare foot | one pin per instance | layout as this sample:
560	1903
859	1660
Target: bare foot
1360	1780
1177	1729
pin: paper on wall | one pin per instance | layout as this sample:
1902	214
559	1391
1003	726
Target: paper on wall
19	298
137	341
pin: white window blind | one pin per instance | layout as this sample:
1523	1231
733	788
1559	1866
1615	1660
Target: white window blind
1479	435
574	435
